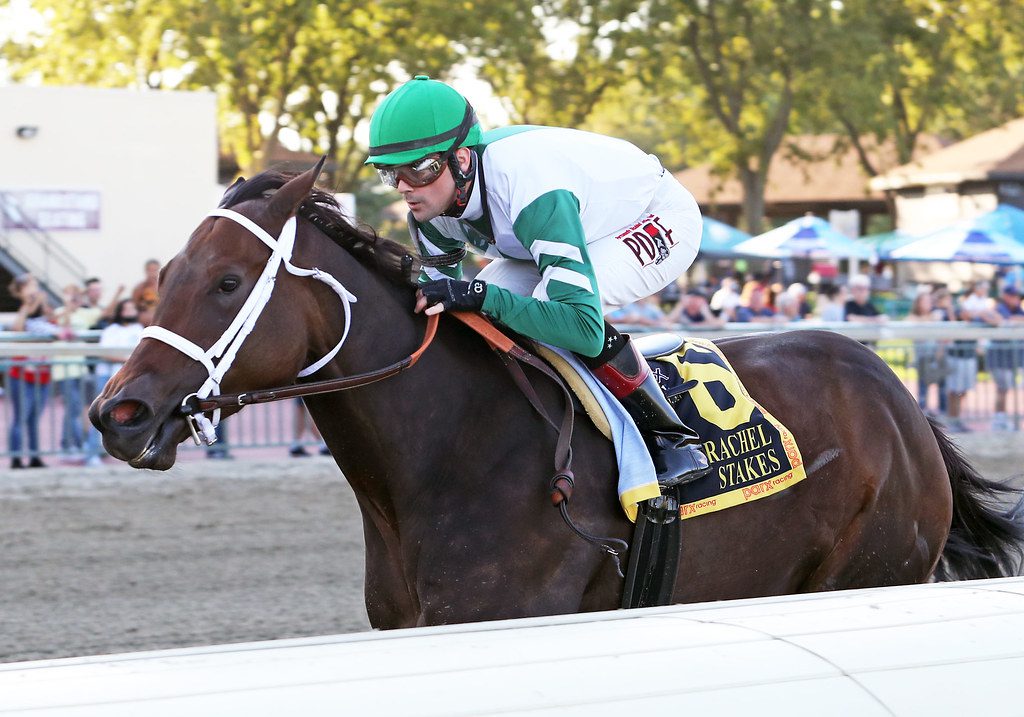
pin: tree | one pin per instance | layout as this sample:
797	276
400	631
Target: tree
553	60
749	63
130	43
917	66
315	68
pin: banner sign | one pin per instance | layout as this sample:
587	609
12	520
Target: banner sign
50	209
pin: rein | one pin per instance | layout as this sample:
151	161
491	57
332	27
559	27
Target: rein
193	404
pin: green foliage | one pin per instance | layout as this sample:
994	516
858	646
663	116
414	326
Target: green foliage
695	81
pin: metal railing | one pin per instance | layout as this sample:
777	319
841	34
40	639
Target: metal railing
48	387
930	359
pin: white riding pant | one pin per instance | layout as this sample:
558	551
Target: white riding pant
631	263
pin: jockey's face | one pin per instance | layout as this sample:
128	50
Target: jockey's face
430	201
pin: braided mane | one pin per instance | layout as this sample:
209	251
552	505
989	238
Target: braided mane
320	208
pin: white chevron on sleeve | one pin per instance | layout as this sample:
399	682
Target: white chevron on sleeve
554	248
566	276
431	249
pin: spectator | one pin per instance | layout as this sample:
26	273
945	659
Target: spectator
124	333
300	420
830	305
929	356
858	308
756	309
799	291
760	281
28	380
693	310
91	313
671	295
726	299
942	302
788	307
144	295
977	308
645	312
1004	358
69	371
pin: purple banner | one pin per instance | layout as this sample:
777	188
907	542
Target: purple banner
50	209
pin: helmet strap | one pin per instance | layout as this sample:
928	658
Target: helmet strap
463	184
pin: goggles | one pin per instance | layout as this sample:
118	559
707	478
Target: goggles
416	174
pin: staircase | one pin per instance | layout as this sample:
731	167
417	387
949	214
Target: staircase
32	249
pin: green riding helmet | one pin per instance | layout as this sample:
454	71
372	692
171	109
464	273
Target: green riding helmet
420	117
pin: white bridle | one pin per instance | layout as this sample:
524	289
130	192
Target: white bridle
223	352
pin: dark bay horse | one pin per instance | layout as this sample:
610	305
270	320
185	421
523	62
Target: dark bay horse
450	464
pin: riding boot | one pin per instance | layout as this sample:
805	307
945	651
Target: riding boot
675	447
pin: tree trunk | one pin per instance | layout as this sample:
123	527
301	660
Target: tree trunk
753	181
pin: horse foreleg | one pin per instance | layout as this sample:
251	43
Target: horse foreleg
389	602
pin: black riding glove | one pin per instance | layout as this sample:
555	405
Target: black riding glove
457	295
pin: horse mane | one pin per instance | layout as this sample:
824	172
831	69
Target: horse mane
320	208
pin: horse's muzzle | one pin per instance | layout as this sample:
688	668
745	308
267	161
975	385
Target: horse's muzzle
132	432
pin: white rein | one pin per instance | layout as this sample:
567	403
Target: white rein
219	357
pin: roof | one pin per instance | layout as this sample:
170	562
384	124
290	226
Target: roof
995	154
803	171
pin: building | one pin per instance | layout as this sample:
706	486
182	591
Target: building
93	182
807	175
960	181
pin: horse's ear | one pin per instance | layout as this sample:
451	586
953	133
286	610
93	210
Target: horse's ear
287	199
229	192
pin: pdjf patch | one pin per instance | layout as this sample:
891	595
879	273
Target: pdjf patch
649	240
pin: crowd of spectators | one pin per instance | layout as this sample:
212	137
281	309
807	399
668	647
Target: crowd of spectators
76	379
947	370
116	323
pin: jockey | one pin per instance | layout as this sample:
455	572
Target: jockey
577	225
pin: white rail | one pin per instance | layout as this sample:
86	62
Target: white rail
941	649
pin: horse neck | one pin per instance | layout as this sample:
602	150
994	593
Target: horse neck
383	435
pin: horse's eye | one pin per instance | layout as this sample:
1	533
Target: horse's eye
229	284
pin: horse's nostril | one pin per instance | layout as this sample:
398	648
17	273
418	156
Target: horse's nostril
127	413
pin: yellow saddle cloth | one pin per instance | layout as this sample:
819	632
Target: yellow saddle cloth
752	455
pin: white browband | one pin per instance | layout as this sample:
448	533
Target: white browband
219	357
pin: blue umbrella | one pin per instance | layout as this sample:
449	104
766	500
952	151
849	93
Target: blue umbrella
808	236
885	242
996	237
719	237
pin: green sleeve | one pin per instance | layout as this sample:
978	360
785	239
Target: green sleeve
437	241
570	315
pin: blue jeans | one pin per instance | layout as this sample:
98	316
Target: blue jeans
27	403
93	439
72	435
922	394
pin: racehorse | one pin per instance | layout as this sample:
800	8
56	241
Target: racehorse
450	464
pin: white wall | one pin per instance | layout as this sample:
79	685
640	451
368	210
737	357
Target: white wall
151	155
940	206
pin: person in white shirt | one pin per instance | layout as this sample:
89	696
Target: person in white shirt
726	299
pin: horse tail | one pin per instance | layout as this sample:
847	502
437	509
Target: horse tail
984	541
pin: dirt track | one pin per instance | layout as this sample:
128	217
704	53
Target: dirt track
117	560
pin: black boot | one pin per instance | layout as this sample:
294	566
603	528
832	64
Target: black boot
675	447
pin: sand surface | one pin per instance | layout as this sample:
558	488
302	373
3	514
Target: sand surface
115	560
